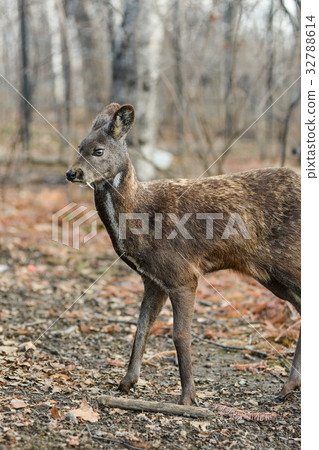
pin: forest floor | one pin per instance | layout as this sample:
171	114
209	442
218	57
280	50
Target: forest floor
65	340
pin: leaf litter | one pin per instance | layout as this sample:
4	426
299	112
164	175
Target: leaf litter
50	378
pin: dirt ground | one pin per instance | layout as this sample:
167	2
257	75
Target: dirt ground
63	340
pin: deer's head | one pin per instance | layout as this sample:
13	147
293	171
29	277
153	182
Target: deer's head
103	151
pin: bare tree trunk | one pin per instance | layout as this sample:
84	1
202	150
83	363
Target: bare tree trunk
229	16
56	52
150	39
294	18
124	67
295	56
230	13
137	45
285	130
60	61
25	109
124	59
75	57
93	95
269	81
66	68
178	74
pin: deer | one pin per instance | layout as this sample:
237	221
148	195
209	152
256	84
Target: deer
265	201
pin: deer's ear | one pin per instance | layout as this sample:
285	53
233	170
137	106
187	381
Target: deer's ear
121	122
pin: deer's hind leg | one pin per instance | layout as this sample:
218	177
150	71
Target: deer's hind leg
292	295
183	306
294	379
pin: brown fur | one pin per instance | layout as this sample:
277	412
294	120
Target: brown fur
267	200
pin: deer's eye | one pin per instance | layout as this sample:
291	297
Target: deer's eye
98	152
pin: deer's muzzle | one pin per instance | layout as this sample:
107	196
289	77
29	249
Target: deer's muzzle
71	175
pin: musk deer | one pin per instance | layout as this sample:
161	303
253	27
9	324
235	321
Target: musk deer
248	222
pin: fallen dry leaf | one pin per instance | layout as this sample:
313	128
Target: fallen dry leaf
55	412
27	346
74	441
114	362
7	349
160	329
110	328
250	367
56	389
200	425
86	412
17	403
84	328
159	356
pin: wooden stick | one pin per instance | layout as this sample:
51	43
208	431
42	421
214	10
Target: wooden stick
226	347
129	322
181	410
232	347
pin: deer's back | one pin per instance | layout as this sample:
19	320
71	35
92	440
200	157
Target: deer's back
267	202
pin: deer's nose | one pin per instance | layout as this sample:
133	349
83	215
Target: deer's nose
70	175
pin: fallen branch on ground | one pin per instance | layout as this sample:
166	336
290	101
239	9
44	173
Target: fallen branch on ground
232	347
129	322
181	410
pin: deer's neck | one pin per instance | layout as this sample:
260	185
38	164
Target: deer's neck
115	197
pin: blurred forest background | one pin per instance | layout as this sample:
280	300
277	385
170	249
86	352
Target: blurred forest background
198	73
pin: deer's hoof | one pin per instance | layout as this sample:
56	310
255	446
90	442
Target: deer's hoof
188	400
287	388
185	401
282	395
127	385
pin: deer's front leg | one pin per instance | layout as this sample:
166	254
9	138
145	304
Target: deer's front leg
183	307
153	301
